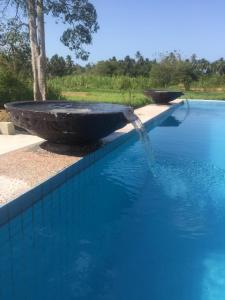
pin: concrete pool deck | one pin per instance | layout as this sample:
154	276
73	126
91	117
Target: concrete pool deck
28	161
10	143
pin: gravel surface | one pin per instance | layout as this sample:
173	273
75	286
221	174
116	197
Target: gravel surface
25	168
10	187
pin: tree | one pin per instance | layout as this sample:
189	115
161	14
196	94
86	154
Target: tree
79	15
69	65
57	66
218	66
142	65
128	66
184	74
106	68
161	74
14	47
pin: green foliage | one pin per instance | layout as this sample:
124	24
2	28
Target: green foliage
69	65
15	51
204	95
161	75
184	74
17	88
120	81
108	68
124	67
59	66
54	93
81	17
135	99
116	89
12	88
218	67
170	70
56	66
206	82
85	82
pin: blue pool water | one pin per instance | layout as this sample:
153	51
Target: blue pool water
122	231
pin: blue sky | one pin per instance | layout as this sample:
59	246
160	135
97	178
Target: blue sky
152	27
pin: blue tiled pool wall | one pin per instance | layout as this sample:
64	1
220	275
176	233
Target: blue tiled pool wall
27	199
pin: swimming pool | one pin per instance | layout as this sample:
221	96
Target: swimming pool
119	230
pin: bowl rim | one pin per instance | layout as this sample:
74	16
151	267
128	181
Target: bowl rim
164	91
18	106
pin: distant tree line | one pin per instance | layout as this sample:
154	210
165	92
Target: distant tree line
60	66
170	69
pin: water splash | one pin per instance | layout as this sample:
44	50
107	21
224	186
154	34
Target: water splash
143	135
144	138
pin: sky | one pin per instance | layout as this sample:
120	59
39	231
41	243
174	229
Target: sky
152	27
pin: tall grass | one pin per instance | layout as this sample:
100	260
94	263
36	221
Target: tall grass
15	88
91	82
129	90
210	83
115	89
126	83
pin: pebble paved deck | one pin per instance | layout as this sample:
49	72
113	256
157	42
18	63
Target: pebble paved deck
20	170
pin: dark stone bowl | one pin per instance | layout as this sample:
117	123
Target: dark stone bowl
68	122
162	97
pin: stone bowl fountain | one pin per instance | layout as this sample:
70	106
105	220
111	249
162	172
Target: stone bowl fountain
162	97
67	122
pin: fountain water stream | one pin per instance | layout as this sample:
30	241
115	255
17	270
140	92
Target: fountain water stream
143	135
145	140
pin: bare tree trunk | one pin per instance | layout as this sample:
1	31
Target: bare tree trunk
37	43
42	53
31	8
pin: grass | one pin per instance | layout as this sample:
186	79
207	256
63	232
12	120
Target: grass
123	89
135	99
216	95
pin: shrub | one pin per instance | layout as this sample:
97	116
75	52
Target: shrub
54	92
13	88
